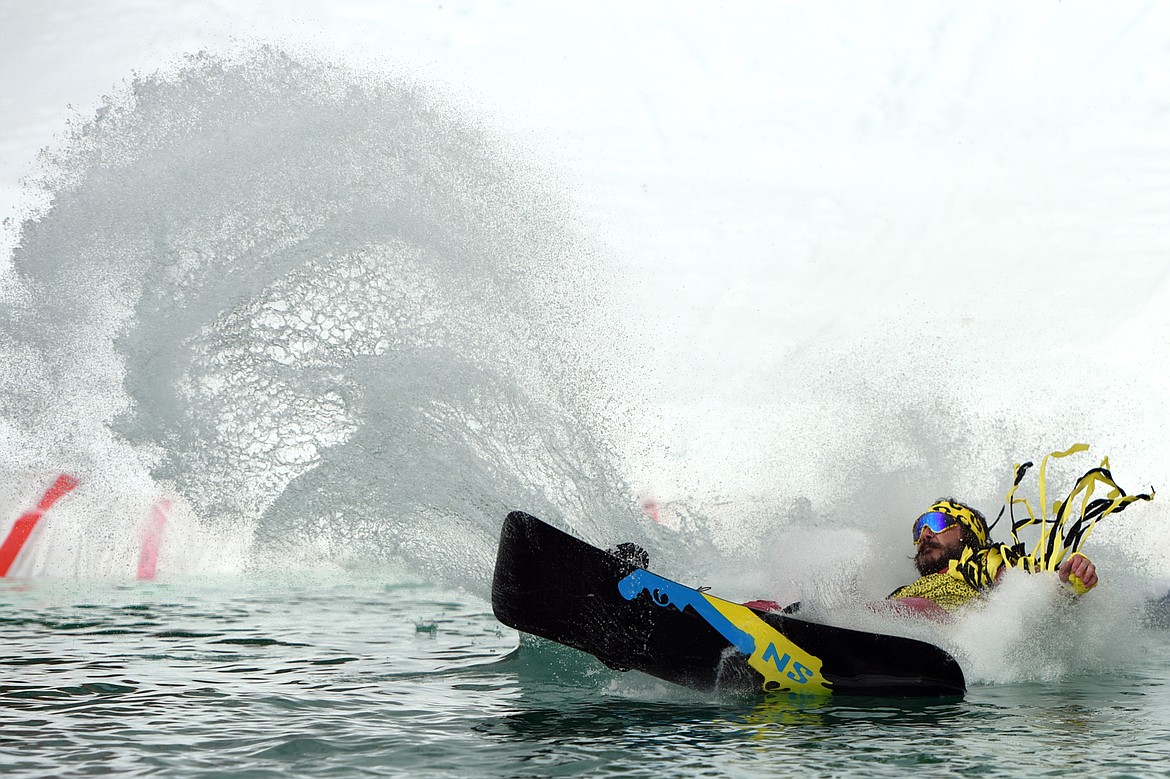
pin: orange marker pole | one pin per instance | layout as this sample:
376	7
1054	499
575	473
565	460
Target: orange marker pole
23	527
152	540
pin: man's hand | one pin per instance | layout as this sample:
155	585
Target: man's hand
1079	572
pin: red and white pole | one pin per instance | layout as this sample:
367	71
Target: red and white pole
26	522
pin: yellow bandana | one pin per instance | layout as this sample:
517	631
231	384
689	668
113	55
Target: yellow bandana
965	516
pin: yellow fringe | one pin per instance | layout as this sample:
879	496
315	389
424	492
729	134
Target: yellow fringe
1060	533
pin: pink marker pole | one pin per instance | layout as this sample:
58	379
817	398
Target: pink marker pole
152	540
26	522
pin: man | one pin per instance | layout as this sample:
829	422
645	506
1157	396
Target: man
956	562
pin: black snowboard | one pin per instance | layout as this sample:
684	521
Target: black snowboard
550	584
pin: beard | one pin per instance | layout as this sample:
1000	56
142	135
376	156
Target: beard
933	556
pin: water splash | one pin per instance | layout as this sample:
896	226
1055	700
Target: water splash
318	306
332	316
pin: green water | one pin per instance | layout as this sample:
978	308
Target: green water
377	678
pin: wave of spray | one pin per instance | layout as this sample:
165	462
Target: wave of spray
322	308
336	320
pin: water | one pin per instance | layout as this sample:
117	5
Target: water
377	676
338	324
404	325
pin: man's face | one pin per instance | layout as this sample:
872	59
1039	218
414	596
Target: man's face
935	549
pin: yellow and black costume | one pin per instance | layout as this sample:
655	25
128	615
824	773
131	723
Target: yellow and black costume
1061	535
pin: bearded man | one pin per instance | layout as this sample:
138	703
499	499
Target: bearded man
957	561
